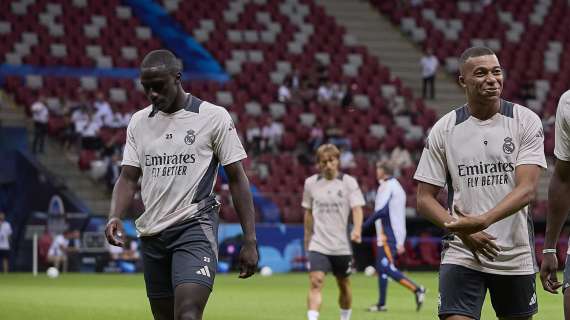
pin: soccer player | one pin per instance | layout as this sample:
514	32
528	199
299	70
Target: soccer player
177	144
490	153
328	199
389	218
558	205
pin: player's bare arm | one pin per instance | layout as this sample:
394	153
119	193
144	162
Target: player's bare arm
431	209
558	206
123	193
308	227
356	234
526	180
241	195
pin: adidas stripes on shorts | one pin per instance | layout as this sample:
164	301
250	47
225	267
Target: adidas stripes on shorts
184	253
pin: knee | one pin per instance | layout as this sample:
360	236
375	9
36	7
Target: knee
383	265
189	312
317	283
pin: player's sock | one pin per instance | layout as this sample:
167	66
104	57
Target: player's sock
382	288
345	314
312	315
412	286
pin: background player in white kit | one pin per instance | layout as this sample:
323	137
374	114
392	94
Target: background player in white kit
558	205
177	145
389	220
328	199
490	153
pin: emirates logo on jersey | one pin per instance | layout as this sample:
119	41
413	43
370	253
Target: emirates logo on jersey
190	137
508	146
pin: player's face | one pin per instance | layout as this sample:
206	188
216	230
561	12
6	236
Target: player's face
328	164
482	77
380	174
160	87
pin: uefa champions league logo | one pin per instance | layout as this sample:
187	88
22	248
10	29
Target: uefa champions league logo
190	137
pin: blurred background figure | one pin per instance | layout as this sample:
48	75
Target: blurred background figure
429	66
5	234
40	114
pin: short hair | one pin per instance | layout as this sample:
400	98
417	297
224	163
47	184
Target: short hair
387	166
162	59
327	148
474	52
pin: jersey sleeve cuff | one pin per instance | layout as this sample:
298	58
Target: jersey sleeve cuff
561	157
130	163
433	181
538	163
234	159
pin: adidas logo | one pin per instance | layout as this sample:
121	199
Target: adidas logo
532	299
204	271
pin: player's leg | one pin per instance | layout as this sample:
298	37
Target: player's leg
194	263
319	265
424	87
157	268
190	301
382	262
567	304
513	297
461	293
342	268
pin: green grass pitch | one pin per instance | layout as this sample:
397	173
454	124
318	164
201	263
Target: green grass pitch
282	296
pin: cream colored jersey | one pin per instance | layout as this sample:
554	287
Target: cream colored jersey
179	155
331	202
477	160
562	130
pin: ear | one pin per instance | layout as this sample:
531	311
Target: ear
461	81
178	77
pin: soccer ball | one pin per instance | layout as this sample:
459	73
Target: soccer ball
266	271
369	271
52	272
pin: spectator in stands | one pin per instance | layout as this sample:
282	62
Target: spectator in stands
89	132
347	159
296	79
335	135
316	137
400	158
429	66
5	234
40	114
253	137
528	91
57	254
103	111
325	93
271	135
346	101
284	93
337	94
73	250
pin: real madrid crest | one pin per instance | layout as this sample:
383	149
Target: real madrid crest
508	146
190	137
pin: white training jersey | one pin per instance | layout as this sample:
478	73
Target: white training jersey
390	199
331	202
562	130
477	160
58	246
5	233
179	154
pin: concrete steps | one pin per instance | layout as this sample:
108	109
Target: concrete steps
393	49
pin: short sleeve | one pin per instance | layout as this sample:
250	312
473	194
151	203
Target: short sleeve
130	154
307	201
355	197
562	129
432	167
531	141
226	143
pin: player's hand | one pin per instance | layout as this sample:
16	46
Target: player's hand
548	273
480	243
467	224
356	236
115	232
400	249
248	258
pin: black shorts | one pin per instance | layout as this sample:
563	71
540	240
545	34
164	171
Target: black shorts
4	254
184	253
341	266
462	291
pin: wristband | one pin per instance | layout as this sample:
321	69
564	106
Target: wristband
545	251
